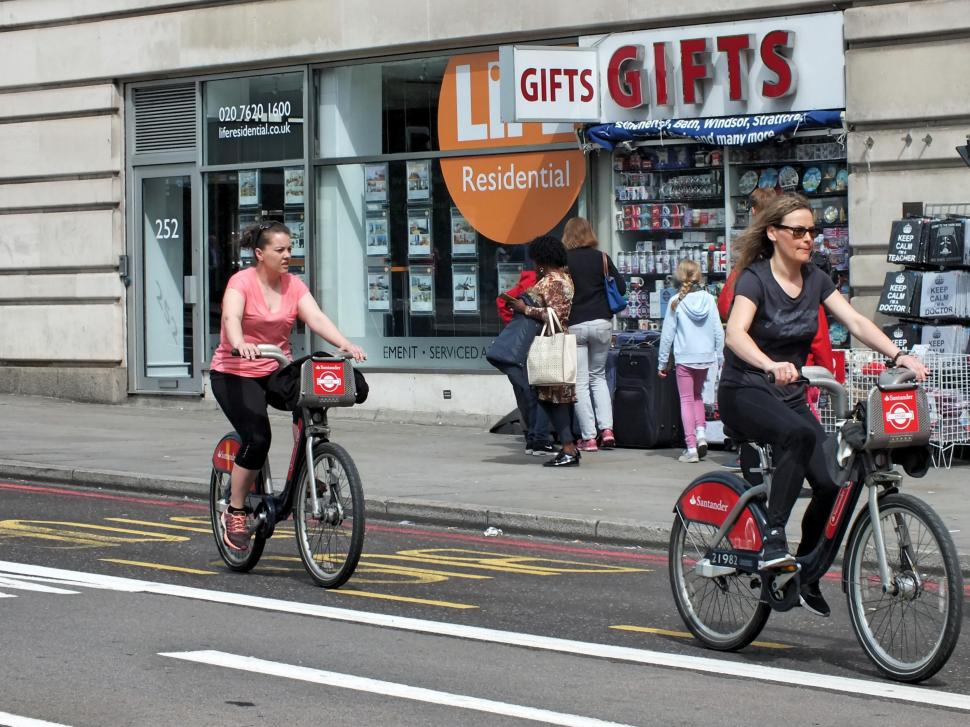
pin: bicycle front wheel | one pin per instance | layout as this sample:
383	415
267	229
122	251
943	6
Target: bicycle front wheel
241	561
330	533
910	631
724	613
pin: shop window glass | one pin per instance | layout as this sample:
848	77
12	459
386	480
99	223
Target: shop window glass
378	108
401	273
234	201
253	119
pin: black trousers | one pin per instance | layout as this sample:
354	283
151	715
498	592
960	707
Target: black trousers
796	439
561	418
243	401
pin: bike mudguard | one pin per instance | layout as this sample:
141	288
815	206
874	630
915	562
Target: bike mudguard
710	498
224	456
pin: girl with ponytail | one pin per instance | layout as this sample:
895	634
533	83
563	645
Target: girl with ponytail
693	329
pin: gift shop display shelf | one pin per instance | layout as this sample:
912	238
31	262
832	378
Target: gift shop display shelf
677	200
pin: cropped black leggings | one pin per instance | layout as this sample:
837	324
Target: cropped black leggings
243	401
796	439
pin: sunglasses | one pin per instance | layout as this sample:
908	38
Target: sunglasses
798	232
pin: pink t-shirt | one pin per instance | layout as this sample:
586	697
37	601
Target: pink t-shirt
259	324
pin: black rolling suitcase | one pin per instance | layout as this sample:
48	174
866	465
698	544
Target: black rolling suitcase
646	408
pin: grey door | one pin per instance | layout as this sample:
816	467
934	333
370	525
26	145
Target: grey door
166	354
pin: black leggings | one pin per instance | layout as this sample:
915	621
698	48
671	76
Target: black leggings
796	439
561	417
243	401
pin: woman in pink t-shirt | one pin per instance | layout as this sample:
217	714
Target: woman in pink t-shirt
260	305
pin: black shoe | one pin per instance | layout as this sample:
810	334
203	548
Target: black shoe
539	449
775	552
811	599
563	459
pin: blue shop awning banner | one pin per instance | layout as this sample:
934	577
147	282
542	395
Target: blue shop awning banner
720	131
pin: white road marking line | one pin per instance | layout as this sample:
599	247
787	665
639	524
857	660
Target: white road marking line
789	677
26	585
12	720
7	595
389	689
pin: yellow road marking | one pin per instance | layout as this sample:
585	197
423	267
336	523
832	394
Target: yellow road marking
505	563
404	599
419	576
81	535
157	525
159	566
686	635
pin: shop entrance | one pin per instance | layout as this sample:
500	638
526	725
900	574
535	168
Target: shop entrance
167	355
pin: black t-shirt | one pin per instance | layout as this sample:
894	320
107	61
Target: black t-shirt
586	270
783	327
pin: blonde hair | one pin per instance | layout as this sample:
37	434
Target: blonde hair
689	275
578	233
754	244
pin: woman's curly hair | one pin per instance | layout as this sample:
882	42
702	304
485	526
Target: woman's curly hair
548	251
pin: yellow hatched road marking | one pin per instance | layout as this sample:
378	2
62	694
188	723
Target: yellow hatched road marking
159	566
420	575
81	535
686	635
157	525
404	599
505	563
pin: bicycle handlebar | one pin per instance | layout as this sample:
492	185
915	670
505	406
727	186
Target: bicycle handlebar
822	378
267	350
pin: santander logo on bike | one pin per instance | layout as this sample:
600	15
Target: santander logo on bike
899	412
328	378
708	504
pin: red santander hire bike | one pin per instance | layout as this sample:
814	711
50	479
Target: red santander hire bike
900	571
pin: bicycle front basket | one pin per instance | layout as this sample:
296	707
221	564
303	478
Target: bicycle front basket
897	418
327	381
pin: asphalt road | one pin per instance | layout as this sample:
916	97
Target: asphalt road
116	610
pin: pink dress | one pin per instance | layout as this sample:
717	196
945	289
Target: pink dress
259	324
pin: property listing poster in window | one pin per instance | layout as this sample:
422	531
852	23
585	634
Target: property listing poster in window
464	238
421	288
294	221
379	288
464	283
293	186
419	181
375	182
249	188
419	232
376	227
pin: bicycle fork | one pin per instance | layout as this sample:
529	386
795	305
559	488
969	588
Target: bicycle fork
319	509
902	533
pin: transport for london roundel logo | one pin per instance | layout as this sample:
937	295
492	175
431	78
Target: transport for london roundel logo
510	198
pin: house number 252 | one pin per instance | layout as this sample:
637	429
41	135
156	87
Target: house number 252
167	229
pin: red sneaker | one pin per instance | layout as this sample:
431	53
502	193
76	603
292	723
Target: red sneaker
587	445
606	439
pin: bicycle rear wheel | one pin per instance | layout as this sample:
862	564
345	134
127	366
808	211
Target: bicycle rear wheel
237	560
724	613
910	632
331	538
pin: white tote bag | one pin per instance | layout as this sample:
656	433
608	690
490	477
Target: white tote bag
552	356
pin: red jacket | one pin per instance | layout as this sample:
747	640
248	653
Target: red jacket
821	353
527	278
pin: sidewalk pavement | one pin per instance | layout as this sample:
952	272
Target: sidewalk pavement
451	475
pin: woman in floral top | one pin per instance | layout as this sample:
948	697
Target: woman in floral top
554	289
